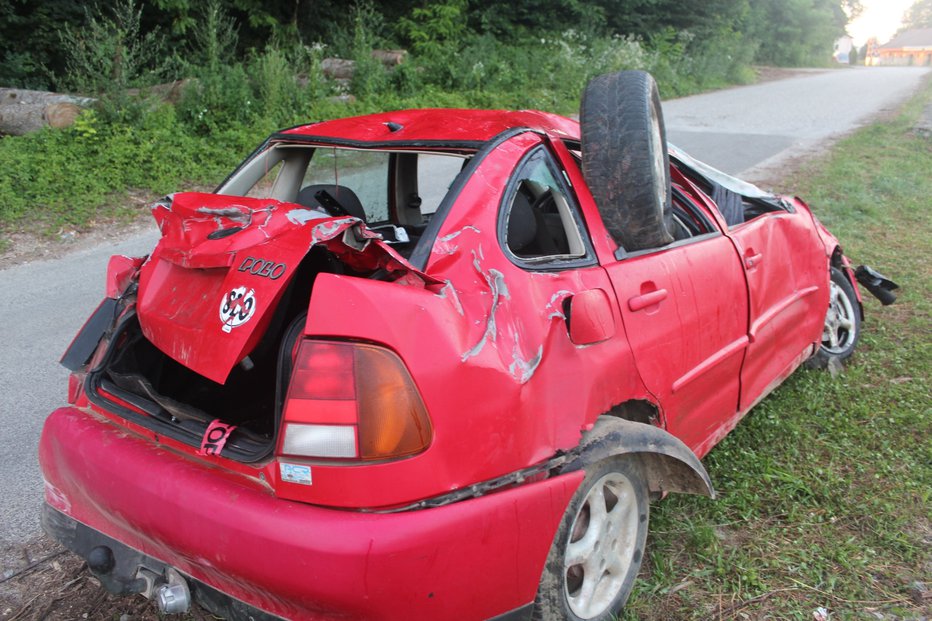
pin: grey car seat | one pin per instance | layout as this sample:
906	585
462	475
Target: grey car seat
345	196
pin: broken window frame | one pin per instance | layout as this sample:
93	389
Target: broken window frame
572	219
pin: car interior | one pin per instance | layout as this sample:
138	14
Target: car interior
394	192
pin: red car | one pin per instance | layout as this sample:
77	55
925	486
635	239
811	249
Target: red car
432	364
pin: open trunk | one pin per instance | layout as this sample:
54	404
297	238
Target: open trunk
210	322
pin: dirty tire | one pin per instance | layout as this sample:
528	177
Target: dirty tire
842	327
625	159
599	545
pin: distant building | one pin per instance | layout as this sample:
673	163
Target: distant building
912	47
843	47
872	54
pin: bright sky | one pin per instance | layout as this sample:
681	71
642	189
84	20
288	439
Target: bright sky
880	18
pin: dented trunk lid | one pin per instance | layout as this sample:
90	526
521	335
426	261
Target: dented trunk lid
209	289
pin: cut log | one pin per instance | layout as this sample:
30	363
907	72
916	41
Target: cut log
390	58
343	68
9	96
23	111
169	92
338	68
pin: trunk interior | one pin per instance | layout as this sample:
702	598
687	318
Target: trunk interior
143	384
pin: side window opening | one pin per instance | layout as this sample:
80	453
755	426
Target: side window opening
688	222
539	224
263	187
735	208
435	175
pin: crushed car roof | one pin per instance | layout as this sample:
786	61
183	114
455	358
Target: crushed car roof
435	125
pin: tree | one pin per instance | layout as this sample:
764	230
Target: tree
919	15
796	32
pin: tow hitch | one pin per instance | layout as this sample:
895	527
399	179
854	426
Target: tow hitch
171	593
169	590
125	571
879	285
166	587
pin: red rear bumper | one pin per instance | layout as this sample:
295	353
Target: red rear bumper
469	560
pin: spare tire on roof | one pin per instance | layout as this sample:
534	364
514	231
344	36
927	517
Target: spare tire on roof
625	160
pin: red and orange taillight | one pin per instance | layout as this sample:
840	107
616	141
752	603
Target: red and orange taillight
352	401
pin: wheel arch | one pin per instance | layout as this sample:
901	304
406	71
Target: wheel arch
667	463
840	262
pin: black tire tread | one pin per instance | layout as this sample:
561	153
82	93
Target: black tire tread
615	130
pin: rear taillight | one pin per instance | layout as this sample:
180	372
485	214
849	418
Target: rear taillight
352	401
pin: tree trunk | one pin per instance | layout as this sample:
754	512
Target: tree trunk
23	111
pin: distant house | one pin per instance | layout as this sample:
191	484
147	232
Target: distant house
912	47
843	49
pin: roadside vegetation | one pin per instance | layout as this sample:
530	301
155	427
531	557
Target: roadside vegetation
250	67
825	489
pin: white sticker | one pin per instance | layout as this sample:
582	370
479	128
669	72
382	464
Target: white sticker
295	473
237	307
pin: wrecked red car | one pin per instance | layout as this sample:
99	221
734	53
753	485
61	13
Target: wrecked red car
432	364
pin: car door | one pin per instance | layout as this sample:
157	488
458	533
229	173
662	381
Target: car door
684	308
781	262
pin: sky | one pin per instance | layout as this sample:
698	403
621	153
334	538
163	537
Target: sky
881	19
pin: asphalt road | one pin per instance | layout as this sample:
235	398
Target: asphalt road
750	129
45	303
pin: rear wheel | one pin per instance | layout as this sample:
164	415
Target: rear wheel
842	327
599	546
625	159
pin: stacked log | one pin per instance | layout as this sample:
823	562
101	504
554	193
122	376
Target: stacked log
342	68
23	111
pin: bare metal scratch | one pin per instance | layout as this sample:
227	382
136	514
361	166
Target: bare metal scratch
523	370
448	291
496	283
558	297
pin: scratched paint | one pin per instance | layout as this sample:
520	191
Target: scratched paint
448	291
555	305
521	369
443	244
236	213
495	280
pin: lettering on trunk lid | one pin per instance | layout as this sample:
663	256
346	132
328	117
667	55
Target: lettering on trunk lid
263	267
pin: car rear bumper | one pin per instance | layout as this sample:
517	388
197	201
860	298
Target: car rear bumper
469	560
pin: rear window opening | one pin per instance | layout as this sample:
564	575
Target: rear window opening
143	384
394	192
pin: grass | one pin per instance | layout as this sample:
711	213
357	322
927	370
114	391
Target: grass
826	487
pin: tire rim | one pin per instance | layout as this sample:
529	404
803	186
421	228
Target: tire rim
601	546
839	331
656	144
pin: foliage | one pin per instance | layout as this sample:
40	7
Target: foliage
435	27
780	31
66	177
110	53
919	15
251	66
368	78
795	33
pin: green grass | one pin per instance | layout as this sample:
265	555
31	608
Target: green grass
825	486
